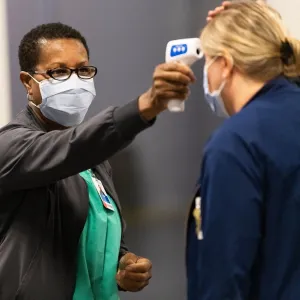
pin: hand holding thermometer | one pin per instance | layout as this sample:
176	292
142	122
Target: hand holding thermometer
186	51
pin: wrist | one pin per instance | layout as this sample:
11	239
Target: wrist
147	107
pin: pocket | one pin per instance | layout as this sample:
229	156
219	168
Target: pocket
21	294
46	279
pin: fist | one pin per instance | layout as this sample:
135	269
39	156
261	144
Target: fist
134	273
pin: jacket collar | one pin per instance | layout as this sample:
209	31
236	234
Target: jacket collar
28	118
272	85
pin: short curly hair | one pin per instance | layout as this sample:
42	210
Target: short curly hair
29	49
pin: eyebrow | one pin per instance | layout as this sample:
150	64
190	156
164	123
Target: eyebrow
64	65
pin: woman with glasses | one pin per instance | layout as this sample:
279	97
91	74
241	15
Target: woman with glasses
243	239
60	218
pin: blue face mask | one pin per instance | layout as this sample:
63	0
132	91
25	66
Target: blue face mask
214	99
66	102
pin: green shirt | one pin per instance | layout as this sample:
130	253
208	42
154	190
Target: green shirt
98	251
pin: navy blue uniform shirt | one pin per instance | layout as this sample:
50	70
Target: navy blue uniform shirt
250	203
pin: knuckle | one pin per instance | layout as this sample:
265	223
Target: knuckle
177	67
182	88
160	93
178	77
155	75
186	90
156	72
145	277
171	95
157	84
161	67
184	79
181	96
158	68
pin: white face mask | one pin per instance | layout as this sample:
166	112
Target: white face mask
66	102
214	99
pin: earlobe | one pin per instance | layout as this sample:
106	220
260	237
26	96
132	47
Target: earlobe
226	72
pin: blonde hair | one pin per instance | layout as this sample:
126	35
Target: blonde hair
252	35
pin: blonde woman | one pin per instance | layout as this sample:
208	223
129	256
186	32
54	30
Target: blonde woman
212	13
243	240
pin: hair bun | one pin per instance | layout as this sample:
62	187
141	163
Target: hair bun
287	54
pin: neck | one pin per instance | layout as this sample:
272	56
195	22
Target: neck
48	124
243	90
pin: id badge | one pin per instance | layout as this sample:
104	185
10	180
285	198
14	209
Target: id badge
198	218
103	195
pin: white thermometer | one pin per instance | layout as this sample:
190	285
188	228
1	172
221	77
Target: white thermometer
186	51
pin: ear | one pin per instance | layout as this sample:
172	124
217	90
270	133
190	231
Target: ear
228	66
26	81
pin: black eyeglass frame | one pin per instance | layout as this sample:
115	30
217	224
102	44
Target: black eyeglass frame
76	70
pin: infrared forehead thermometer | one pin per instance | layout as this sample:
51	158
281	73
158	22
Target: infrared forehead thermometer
186	51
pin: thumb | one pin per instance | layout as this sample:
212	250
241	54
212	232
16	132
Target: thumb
127	259
129	262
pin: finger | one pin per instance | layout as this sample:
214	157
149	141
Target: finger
143	285
140	267
132	286
177	68
130	256
169	95
210	12
217	10
172	77
125	263
162	85
226	3
137	277
142	259
127	259
120	275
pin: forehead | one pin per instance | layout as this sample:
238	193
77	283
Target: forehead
69	52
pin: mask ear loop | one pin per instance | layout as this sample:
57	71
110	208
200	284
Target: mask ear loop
217	93
206	67
33	78
29	98
220	89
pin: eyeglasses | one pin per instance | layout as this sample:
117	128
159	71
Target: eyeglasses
62	74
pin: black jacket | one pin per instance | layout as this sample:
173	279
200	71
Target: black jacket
44	202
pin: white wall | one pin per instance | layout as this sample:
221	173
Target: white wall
289	10
5	97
